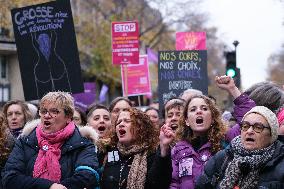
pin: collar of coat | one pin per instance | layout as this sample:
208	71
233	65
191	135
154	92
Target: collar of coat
86	131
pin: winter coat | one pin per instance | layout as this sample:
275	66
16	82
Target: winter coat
158	171
188	164
78	163
242	105
271	175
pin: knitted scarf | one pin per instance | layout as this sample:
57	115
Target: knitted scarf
243	170
137	175
47	162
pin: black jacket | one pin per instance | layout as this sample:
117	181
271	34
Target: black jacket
158	175
76	151
271	175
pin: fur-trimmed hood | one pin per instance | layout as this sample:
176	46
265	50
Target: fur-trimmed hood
86	131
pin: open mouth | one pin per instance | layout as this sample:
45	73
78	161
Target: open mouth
121	132
174	127
47	123
250	140
101	128
199	120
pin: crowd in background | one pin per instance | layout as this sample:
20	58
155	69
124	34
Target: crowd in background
189	143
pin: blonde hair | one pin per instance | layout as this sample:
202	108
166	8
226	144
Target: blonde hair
61	99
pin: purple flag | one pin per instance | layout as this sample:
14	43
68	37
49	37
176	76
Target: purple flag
152	56
103	93
83	100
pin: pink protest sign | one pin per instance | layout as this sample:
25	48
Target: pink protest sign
190	41
138	81
125	42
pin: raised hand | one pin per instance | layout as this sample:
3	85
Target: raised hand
227	83
167	136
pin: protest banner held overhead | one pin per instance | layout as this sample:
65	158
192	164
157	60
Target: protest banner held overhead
125	42
181	70
137	77
191	41
47	49
85	99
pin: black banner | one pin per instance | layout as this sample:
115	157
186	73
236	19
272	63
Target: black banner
47	49
181	70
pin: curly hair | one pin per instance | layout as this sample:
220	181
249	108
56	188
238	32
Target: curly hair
27	114
4	139
216	132
142	128
61	99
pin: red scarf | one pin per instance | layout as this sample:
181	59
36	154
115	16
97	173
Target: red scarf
47	162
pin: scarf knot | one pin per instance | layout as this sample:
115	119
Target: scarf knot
47	162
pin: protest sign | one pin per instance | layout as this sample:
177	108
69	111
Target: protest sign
181	70
83	100
190	41
138	81
125	43
47	49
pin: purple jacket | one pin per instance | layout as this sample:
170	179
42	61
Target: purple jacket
188	164
242	105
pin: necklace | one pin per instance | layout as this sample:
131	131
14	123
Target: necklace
122	166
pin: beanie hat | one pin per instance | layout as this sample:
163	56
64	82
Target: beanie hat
270	118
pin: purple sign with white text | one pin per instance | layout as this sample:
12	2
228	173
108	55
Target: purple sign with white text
83	100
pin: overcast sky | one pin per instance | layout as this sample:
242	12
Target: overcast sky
257	25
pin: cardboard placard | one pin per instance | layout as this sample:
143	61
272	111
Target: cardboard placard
47	49
179	71
191	41
125	42
138	80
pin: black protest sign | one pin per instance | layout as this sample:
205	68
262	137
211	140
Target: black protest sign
47	49
181	70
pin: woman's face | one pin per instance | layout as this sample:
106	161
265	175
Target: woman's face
154	116
124	129
172	117
120	106
100	121
199	116
15	116
77	118
53	118
253	140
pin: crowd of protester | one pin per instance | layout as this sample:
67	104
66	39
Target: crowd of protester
189	143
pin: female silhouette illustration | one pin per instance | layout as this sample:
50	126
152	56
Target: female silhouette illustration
50	71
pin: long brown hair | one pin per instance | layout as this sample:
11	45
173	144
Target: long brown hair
216	131
143	130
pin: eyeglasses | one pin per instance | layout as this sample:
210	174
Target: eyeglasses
257	127
53	112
